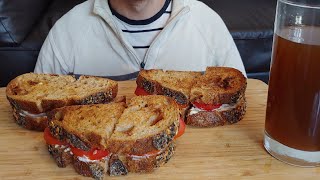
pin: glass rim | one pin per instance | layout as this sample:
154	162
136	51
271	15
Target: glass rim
300	4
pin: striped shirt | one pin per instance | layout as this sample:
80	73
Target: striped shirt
141	33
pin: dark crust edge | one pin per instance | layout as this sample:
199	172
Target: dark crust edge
90	169
153	87
215	118
145	145
31	123
61	134
62	159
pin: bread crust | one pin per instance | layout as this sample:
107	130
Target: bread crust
219	85
145	145
218	118
153	87
62	157
61	134
96	170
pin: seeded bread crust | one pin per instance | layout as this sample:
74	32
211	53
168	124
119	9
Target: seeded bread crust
145	145
153	87
62	158
96	170
218	118
28	122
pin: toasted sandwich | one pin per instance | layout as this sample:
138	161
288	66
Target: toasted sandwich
217	98
114	138
209	99
33	95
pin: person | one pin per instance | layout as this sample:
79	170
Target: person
118	38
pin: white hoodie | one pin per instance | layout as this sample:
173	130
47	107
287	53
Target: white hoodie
87	41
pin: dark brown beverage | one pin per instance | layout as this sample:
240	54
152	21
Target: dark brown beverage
293	109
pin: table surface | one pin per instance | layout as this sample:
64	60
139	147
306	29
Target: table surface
228	152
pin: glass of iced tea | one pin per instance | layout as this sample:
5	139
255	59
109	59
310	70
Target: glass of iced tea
292	129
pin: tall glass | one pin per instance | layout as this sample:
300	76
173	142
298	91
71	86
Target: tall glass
292	129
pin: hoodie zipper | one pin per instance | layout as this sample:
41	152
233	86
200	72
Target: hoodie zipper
168	26
129	47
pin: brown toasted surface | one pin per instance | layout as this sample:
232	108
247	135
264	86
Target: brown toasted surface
219	85
38	93
149	123
218	117
85	126
176	84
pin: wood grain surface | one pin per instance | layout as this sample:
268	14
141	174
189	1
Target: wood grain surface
229	152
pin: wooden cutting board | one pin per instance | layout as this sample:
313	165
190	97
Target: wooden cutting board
229	152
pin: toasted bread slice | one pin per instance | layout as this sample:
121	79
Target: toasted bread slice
38	93
116	165
219	85
148	124
175	84
229	114
32	95
85	126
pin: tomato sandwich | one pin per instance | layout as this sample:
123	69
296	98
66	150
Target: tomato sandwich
117	138
33	95
208	99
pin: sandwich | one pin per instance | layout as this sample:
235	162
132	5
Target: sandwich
218	97
114	139
33	95
207	100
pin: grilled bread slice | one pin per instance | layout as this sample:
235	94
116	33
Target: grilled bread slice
219	85
32	95
175	84
223	88
149	123
85	126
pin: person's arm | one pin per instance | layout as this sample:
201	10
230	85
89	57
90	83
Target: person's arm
50	59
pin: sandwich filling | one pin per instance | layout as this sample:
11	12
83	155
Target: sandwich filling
198	107
26	113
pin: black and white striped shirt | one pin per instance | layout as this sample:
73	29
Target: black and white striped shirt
141	33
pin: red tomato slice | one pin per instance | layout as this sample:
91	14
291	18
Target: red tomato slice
50	139
141	92
207	107
93	154
182	128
